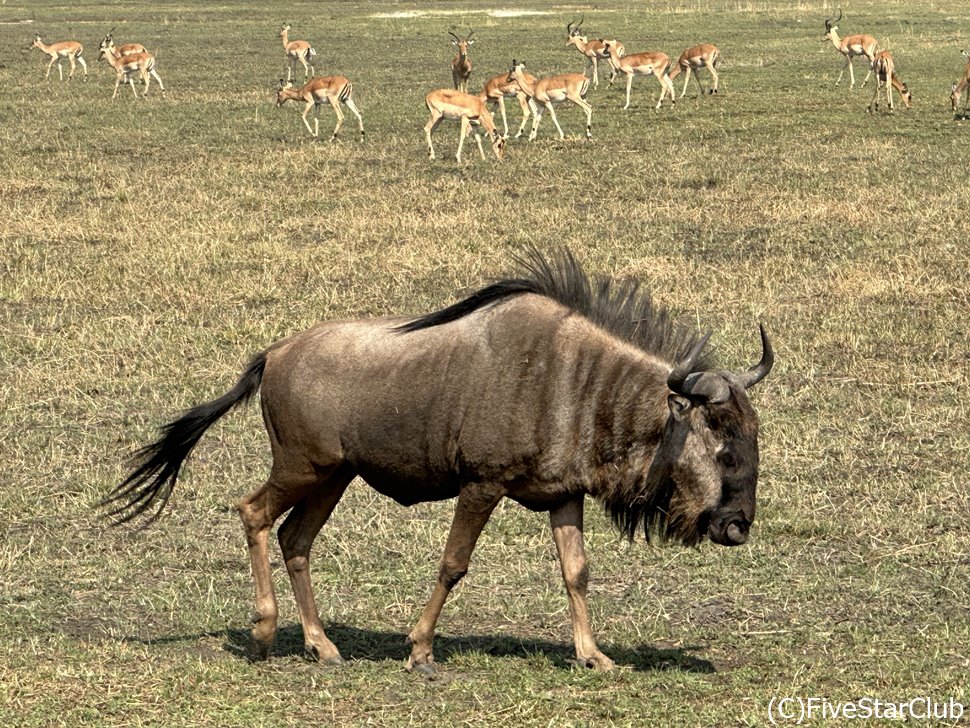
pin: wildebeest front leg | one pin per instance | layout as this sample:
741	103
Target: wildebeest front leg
567	532
475	504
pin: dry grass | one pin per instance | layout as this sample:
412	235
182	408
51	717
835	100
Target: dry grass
150	247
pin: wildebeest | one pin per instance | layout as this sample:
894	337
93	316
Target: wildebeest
542	388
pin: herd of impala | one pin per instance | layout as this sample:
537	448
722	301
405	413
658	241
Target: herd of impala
535	96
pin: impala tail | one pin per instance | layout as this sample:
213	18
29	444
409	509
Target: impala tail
150	485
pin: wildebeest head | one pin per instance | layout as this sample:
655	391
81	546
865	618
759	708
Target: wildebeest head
704	472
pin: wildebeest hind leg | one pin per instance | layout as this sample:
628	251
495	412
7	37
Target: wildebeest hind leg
567	532
475	504
259	511
296	536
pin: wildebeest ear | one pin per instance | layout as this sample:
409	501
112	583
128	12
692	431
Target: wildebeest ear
679	406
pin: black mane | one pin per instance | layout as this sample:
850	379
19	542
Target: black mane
620	307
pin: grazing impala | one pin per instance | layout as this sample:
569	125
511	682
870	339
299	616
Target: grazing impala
850	47
125	49
461	67
142	64
497	89
885	69
962	88
553	90
69	49
333	89
469	111
297	50
644	64
594	50
692	61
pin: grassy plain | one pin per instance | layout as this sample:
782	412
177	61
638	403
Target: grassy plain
149	247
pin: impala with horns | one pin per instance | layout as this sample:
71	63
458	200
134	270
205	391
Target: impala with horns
594	50
498	88
962	88
126	67
884	67
543	388
644	64
461	66
850	47
692	60
69	49
297	51
335	90
470	112
553	90
125	49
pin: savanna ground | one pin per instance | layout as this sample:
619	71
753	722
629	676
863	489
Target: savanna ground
149	247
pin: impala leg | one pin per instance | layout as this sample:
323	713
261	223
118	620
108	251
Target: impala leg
505	123
478	138
159	79
335	103
349	103
567	532
464	126
429	128
596	74
686	81
712	89
131	82
848	62
552	115
629	83
839	79
697	77
47	75
585	106
296	536
147	79
475	504
874	101
872	61
524	103
73	66
538	111
306	110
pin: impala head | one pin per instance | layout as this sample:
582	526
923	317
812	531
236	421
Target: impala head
36	42
284	30
907	96
517	69
462	44
708	455
572	33
612	49
830	26
282	92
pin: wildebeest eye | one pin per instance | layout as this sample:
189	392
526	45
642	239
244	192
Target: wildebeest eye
726	459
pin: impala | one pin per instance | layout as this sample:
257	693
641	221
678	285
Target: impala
850	47
644	64
333	89
962	88
69	49
553	90
125	49
885	69
461	67
497	89
692	61
594	50
142	64
469	111
297	50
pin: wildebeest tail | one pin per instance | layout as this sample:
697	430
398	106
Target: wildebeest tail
151	483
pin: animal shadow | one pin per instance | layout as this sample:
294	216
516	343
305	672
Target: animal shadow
355	643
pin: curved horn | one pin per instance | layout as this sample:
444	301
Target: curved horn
760	370
580	23
454	36
569	29
684	367
470	33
